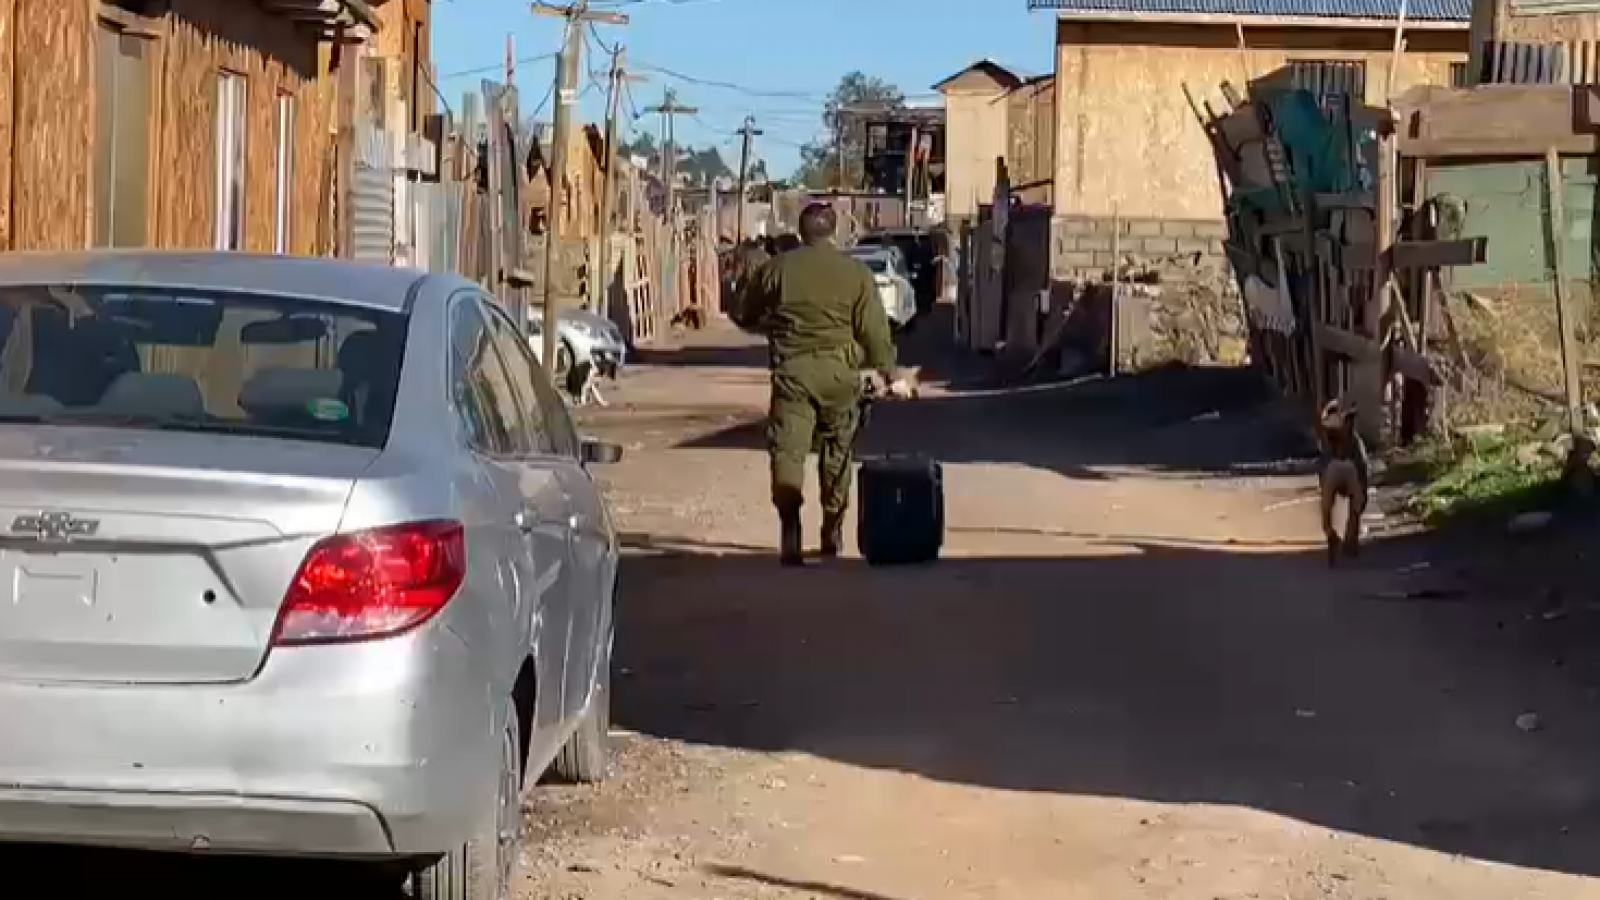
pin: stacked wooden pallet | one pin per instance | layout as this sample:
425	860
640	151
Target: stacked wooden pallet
1311	191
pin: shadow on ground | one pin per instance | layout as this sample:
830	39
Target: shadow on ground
1229	423
71	873
1181	674
925	343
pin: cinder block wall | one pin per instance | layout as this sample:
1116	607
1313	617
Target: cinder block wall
1080	246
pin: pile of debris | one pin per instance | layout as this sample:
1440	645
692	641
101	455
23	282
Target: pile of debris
1184	309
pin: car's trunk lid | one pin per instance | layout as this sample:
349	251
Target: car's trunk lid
148	557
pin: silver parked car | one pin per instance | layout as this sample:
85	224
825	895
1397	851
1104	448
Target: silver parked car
304	560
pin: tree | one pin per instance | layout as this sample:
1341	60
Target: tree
819	160
703	166
696	166
644	144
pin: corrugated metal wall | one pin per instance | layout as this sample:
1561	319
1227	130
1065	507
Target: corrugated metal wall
372	196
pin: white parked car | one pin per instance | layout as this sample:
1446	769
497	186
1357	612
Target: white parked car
584	337
893	277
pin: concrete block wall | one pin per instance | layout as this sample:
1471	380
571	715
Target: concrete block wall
1080	246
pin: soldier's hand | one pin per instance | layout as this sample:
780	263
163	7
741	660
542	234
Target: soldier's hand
900	389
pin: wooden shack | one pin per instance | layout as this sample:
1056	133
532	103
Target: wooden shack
171	123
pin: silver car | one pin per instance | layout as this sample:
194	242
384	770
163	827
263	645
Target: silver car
304	560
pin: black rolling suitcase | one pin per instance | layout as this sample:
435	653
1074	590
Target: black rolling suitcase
899	507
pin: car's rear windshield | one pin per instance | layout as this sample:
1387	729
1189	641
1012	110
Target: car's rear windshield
877	262
152	357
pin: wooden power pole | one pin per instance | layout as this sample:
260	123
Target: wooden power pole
747	133
576	15
600	290
669	110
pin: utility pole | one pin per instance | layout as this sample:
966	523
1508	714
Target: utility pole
576	15
608	190
669	110
748	132
838	146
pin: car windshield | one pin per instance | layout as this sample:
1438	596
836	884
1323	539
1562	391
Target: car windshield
153	357
877	262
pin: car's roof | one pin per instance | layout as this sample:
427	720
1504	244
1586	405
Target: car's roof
364	284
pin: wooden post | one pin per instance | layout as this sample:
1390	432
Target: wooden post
347	89
600	280
1368	375
566	95
1564	318
1116	289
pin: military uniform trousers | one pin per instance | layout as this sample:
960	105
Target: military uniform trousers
814	405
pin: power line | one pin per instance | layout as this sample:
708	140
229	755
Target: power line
594	34
729	86
428	77
497	67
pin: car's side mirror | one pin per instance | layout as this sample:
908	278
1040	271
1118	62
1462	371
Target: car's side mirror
597	452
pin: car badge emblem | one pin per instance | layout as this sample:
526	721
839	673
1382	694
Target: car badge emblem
53	527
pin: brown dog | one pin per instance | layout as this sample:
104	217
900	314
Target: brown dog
1343	472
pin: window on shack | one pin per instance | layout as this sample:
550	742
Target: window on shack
285	173
230	160
122	138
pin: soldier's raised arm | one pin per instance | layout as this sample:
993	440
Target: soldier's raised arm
871	325
757	297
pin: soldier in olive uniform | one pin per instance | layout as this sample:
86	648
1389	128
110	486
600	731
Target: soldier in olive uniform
824	321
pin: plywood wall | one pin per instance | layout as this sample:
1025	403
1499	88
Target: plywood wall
399	39
975	136
202	41
8	18
53	123
1535	29
1030	120
47	122
1126	140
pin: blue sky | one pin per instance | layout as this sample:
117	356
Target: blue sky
784	54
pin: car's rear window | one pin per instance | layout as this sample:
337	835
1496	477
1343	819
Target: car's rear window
143	356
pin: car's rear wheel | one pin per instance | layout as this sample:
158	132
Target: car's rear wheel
583	759
481	868
563	359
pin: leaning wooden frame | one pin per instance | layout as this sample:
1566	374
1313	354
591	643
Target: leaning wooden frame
1338	301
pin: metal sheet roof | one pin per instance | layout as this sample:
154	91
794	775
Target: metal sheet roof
1416	10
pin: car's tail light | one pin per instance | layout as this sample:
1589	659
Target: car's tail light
373	584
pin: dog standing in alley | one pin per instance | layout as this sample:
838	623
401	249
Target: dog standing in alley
1343	472
583	384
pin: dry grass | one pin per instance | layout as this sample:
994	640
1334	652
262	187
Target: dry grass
1507	367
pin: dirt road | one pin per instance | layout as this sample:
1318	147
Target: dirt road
1132	677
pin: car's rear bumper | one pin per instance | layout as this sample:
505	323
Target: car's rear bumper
358	750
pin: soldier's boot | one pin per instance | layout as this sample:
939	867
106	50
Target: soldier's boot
832	534
790	552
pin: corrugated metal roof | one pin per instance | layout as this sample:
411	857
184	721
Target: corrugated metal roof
1416	10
